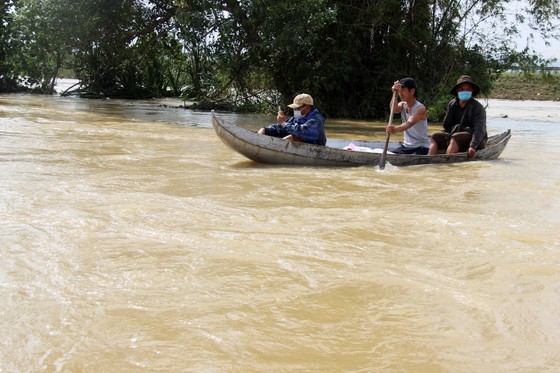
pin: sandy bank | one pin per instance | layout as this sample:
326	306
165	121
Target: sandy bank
546	111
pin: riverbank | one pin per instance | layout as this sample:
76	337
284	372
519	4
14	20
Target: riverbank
531	107
520	86
543	111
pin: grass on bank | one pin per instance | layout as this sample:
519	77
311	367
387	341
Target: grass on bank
520	86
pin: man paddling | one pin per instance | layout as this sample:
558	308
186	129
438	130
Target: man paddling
414	119
307	124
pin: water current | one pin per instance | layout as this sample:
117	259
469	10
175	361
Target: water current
133	240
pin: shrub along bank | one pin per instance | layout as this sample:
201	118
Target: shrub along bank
523	86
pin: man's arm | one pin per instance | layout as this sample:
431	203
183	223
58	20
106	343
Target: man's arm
420	114
479	126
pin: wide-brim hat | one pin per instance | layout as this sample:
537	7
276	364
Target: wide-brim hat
301	99
465	79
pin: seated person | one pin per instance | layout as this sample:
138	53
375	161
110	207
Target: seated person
464	126
307	124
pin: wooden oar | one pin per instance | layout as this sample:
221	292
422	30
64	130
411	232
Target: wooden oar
384	154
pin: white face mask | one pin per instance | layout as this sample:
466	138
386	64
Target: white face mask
297	114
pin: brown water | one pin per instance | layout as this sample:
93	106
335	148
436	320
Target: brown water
133	240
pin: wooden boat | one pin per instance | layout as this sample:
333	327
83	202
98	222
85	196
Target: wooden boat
267	149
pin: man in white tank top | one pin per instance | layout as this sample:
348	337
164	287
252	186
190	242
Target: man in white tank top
414	119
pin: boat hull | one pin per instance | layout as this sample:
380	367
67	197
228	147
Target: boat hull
267	149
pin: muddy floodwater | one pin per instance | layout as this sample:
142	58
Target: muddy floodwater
133	240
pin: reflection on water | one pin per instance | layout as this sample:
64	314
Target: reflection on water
134	240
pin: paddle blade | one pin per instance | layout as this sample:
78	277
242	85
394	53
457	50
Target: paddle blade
384	154
383	158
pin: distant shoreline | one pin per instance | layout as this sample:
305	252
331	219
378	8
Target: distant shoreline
532	86
526	108
542	111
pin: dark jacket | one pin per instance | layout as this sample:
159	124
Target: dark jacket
471	118
309	129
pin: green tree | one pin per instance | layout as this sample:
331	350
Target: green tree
193	25
114	47
256	54
129	49
42	35
7	47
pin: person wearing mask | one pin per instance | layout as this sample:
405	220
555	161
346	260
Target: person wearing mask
414	119
464	126
307	125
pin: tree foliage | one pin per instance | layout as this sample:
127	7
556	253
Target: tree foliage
256	54
8	77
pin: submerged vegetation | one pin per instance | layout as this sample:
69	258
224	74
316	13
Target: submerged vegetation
253	55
